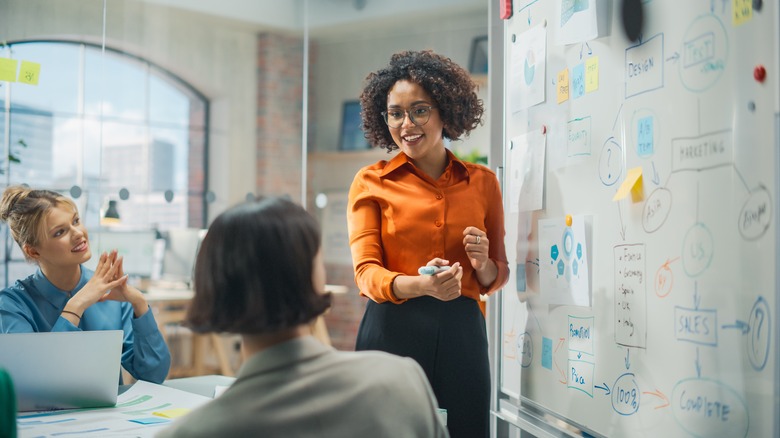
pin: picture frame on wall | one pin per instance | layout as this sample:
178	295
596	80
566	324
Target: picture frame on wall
478	58
352	138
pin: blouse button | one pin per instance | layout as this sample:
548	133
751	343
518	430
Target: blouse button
437	223
439	196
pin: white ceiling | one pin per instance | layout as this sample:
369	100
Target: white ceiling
321	14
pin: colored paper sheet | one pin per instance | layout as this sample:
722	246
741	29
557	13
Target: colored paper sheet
632	184
563	261
592	74
742	11
562	85
8	69
577	81
172	413
29	72
547	352
150	420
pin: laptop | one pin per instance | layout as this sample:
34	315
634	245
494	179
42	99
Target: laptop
63	370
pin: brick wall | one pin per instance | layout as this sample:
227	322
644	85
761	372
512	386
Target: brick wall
279	107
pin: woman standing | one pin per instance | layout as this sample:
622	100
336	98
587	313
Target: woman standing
62	295
426	207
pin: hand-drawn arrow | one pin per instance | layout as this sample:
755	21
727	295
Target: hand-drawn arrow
529	16
656	178
590	51
674	57
604	388
696	296
628	360
560	342
579	355
563	376
622	227
739	325
660	395
698	365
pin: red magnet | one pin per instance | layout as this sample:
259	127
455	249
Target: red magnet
505	9
759	73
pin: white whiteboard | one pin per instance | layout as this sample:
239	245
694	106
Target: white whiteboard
680	338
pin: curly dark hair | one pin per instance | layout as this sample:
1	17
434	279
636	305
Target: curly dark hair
449	84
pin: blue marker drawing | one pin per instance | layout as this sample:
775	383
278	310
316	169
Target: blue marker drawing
547	351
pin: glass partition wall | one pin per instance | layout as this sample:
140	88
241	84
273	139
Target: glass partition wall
167	112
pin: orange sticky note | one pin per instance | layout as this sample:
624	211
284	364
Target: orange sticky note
29	72
8	69
562	85
592	74
632	184
172	413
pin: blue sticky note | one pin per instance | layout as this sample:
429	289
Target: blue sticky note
520	269
547	351
644	136
577	79
150	420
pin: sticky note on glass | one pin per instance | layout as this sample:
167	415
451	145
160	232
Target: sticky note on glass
8	69
547	353
632	184
592	74
172	413
562	85
29	72
577	81
742	11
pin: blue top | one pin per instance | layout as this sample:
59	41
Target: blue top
34	304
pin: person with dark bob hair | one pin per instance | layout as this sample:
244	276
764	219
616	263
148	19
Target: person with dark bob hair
260	273
426	231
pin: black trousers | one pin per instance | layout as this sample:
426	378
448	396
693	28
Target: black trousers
449	341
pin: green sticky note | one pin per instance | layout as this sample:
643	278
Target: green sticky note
8	69
29	72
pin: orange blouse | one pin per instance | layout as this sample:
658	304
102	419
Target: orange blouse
399	219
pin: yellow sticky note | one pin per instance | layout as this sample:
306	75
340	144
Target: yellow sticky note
172	413
562	85
632	184
592	74
742	11
8	69
29	72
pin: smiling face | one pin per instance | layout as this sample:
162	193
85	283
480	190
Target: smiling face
420	143
64	240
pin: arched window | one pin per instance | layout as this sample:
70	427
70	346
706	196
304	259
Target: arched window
105	126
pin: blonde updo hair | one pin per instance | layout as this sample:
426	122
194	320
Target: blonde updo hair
25	210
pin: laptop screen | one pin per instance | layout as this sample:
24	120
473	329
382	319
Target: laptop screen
63	370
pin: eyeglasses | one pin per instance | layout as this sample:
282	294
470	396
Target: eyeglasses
418	115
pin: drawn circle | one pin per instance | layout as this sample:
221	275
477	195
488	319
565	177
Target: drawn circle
688	396
756	215
568	242
625	395
656	209
124	194
525	346
705	52
610	162
664	280
760	334
697	251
